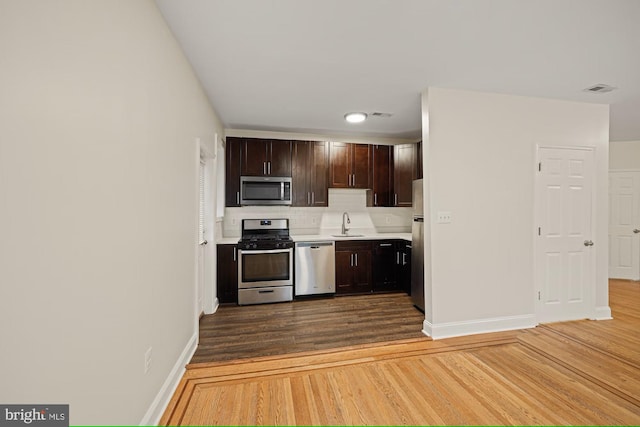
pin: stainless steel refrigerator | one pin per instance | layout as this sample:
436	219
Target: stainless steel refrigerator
417	246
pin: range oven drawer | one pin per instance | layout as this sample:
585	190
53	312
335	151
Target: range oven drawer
265	295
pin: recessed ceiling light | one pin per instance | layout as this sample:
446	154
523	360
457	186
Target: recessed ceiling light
355	117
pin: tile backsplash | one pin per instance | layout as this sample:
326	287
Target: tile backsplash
326	220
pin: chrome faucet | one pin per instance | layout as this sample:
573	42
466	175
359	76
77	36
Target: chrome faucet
344	227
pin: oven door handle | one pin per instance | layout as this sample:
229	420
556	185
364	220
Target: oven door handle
265	251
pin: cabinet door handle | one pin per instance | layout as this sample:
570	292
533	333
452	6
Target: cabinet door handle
354	180
237	197
351	260
313	197
264	168
382	245
397	257
395	199
375	199
404	259
308	198
356	260
235	254
268	168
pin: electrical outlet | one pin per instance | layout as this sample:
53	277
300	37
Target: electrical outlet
147	359
314	220
444	217
387	219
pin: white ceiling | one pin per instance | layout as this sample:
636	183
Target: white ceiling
300	65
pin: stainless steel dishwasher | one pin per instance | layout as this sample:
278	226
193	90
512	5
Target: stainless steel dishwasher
315	268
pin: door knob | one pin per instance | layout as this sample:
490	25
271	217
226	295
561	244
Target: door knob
588	243
636	231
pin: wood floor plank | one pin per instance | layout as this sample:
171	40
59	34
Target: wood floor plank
563	392
574	373
235	332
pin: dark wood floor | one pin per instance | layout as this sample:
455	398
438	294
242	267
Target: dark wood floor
235	332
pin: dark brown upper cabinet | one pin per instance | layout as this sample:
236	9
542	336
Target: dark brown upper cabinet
405	170
310	173
382	176
266	157
232	171
350	165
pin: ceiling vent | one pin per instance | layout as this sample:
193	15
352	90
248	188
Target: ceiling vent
378	114
601	88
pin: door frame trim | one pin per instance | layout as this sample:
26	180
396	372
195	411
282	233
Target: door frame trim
592	311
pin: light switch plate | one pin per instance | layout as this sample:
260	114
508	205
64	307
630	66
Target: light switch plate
444	217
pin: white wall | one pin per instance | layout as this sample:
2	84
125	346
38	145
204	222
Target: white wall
480	153
98	219
624	155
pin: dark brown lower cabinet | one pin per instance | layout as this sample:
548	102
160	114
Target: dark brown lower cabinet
227	275
353	267
403	265
372	266
385	266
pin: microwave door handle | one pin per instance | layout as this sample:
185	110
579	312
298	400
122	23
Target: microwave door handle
281	190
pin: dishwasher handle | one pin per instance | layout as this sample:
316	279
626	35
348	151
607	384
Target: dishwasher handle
313	245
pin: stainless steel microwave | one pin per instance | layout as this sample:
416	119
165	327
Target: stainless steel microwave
265	190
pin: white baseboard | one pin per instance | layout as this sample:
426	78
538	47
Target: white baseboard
480	326
603	313
160	403
216	304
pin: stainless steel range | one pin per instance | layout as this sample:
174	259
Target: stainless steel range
265	262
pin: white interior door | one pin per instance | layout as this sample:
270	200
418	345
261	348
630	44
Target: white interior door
624	225
564	250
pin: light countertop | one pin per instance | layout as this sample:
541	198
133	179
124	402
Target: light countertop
320	237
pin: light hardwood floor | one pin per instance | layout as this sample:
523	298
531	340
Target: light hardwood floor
582	372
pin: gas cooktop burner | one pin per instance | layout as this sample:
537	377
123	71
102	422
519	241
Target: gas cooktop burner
265	234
